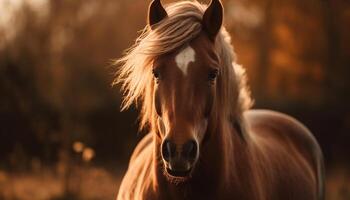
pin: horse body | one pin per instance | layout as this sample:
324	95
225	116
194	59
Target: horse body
204	141
279	162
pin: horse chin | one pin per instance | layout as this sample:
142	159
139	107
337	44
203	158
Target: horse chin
177	177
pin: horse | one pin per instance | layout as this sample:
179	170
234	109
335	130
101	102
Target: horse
204	140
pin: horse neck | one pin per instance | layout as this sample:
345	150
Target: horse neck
227	163
223	153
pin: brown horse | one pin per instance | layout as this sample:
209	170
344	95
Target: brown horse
204	142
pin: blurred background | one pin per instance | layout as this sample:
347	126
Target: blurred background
62	135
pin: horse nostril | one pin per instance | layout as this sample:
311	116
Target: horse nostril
168	150
190	150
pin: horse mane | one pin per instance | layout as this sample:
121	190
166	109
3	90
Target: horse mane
182	25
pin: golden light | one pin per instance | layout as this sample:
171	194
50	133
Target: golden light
88	154
78	147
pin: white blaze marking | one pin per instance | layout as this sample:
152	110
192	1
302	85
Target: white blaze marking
184	58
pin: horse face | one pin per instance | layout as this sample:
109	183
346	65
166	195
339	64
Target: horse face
184	95
185	90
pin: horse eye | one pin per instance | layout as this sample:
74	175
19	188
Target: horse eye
156	73
213	74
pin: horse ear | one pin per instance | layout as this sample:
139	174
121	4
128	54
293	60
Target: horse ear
156	13
212	18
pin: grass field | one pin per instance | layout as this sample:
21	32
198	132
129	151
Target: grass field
94	183
85	183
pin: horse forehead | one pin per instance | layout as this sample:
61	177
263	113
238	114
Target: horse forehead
184	58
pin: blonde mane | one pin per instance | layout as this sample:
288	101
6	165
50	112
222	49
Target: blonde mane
182	25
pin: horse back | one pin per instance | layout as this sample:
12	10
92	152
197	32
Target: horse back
288	153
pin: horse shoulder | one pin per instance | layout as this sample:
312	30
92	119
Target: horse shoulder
287	144
137	180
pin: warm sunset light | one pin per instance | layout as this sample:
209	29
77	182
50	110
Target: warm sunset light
78	147
94	92
88	154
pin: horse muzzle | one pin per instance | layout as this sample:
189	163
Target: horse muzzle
179	159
